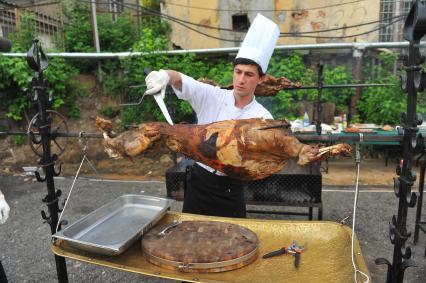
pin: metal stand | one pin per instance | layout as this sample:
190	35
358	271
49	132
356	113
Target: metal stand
37	61
320	83
415	81
419	225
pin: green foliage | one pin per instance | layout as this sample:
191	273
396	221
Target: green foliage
109	111
383	105
114	36
19	140
22	39
16	76
379	105
340	97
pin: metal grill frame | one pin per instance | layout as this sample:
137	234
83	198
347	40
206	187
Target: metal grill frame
294	187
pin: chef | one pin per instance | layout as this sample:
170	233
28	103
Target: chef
210	192
4	214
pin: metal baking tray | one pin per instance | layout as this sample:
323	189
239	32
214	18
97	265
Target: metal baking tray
112	228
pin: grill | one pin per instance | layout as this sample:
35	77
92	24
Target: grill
295	186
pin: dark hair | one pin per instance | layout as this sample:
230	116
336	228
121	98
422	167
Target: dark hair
245	61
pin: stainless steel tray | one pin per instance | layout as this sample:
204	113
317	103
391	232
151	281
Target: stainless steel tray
112	228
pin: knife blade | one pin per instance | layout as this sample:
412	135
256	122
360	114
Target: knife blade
160	101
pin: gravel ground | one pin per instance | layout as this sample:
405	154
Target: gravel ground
25	239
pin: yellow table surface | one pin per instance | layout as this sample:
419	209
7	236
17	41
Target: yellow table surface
327	258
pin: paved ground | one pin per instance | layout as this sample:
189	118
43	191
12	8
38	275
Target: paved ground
25	240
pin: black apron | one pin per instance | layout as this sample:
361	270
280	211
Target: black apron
209	194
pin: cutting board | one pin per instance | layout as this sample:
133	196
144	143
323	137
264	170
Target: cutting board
201	246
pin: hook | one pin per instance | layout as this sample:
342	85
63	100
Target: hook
133	104
44	215
57	169
85	142
39	178
405	251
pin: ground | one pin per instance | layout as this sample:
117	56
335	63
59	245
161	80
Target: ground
25	238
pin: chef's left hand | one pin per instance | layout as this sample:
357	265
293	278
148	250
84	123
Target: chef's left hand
4	209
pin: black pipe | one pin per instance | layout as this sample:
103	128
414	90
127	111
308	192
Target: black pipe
337	86
354	137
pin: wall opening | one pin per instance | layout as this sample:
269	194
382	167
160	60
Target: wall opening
240	22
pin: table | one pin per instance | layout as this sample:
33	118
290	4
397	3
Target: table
327	258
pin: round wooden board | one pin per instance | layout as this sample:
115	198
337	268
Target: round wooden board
201	246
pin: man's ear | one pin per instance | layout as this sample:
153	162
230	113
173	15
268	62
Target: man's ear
261	79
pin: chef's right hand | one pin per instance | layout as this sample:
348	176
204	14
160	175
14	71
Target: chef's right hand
4	209
156	81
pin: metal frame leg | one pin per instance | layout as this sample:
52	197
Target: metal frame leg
3	278
320	212
419	203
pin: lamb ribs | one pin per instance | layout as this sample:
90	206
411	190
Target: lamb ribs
246	149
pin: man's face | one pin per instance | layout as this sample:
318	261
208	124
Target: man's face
245	79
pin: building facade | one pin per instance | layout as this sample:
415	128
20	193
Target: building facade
223	23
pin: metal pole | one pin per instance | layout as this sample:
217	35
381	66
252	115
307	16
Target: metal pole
138	14
414	30
319	97
227	50
96	37
38	62
357	73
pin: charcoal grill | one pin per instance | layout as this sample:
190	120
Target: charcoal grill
294	186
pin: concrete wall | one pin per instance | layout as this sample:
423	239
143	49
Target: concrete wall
184	38
327	18
288	21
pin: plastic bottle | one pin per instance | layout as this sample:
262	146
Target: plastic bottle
306	120
345	121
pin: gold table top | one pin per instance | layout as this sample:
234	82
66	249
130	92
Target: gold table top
326	259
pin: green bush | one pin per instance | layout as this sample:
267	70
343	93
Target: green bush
383	105
19	140
378	105
109	111
114	36
16	76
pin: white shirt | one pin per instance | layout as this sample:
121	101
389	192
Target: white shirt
212	104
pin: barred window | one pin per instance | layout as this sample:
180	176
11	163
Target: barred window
386	18
7	22
392	17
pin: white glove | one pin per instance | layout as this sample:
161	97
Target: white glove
4	209
157	81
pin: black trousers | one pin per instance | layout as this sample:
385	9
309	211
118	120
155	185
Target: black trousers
209	194
3	278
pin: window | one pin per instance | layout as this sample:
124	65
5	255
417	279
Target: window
391	28
386	18
240	22
120	5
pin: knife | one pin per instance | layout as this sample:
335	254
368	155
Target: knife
160	101
159	98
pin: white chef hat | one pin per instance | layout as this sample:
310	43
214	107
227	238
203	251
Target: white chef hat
259	42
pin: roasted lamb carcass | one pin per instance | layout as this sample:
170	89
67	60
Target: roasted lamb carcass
247	149
269	86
